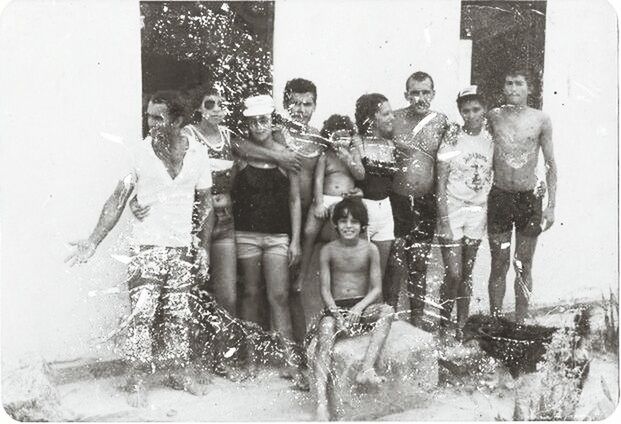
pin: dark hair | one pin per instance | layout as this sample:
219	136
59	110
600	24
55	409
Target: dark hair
173	102
351	206
298	85
418	76
367	106
337	123
519	70
196	97
468	98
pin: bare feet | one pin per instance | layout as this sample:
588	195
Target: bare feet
322	414
369	377
181	380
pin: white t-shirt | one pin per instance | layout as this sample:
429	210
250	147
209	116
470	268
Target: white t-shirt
470	167
169	222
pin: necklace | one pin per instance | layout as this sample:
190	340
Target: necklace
218	147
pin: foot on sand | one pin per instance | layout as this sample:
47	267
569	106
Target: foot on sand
322	414
181	380
369	377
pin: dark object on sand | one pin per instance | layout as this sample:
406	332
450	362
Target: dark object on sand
521	347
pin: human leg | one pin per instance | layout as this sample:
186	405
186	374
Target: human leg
323	361
523	264
249	253
452	258
224	273
500	251
276	272
383	315
464	292
311	230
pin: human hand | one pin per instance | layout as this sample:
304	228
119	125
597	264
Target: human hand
290	161
354	192
294	253
139	211
444	230
340	321
540	188
547	218
354	315
320	211
83	251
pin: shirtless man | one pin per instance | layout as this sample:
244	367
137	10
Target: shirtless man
300	99
418	132
160	272
519	132
351	287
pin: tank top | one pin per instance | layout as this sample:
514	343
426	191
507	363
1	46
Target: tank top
261	201
378	175
220	157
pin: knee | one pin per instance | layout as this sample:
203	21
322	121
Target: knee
500	265
387	311
522	266
251	291
326	329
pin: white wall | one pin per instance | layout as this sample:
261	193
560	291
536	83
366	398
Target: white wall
71	71
351	47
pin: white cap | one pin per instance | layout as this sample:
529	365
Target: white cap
471	90
258	105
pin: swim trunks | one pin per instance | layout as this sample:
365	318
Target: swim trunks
508	208
414	217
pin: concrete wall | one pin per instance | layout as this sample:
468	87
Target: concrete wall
70	85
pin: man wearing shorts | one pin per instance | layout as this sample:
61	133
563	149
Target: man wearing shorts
519	133
418	132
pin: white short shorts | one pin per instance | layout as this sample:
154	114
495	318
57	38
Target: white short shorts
381	225
467	220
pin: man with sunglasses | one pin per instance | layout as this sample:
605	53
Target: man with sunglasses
417	134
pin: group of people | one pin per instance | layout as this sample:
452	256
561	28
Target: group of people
250	208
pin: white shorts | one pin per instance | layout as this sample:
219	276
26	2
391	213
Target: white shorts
329	201
381	225
467	220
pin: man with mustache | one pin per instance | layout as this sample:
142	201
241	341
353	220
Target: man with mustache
417	135
519	132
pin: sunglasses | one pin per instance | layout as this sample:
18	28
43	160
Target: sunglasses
262	121
210	104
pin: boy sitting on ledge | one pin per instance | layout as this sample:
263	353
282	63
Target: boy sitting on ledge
351	287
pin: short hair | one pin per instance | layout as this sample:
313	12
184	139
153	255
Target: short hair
519	70
173	102
351	206
337	123
418	76
197	95
367	106
468	98
298	85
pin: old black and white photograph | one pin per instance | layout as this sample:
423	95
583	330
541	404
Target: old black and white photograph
297	210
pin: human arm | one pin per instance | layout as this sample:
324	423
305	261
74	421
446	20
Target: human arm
545	139
295	210
375	286
110	214
284	158
351	158
325	285
319	175
442	174
204	223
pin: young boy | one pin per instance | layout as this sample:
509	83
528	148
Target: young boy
351	286
335	172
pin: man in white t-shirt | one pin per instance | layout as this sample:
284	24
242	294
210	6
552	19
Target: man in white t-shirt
463	183
168	172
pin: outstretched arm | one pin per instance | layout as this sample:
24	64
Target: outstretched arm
110	214
551	176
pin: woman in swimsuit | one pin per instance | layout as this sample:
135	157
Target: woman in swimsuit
374	119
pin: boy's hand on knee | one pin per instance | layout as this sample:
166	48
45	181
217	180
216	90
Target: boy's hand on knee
354	315
320	212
